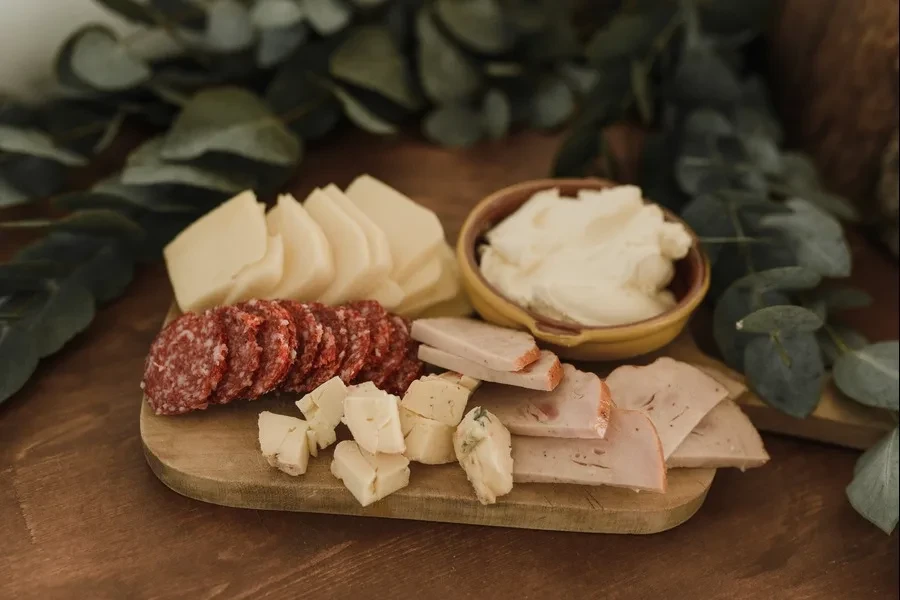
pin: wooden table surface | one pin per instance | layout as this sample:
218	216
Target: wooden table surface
82	516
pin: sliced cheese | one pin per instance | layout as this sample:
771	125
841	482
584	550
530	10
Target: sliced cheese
259	279
675	395
373	418
204	259
369	477
457	306
494	347
379	249
308	264
630	456
417	285
543	374
413	232
482	446
353	266
724	438
323	408
439	399
283	442
387	293
445	288
427	441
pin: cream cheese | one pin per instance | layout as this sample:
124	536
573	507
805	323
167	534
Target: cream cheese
603	258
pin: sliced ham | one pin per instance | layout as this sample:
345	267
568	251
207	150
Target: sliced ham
578	407
488	345
543	374
630	456
724	438
675	395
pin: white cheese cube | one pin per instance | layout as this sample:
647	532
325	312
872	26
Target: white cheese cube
323	408
483	448
203	260
259	279
313	442
283	442
427	441
369	477
373	418
438	399
308	264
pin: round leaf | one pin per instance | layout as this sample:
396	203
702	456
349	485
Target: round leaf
553	103
786	371
702	76
843	298
93	57
32	142
228	27
781	278
577	152
870	375
327	17
876	479
478	24
816	238
496	114
18	355
780	318
130	9
848	338
310	110
364	118
10	196
277	14
181	13
733	305
67	309
446	74
627	35
277	44
453	126
709	218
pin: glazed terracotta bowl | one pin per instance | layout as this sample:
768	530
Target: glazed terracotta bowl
569	340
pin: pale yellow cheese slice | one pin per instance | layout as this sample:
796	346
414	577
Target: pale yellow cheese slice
259	279
353	265
379	250
387	293
445	288
413	232
308	264
203	260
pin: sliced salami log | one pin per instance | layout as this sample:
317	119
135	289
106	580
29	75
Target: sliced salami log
241	329
309	338
400	340
411	368
185	364
278	339
358	343
328	361
380	330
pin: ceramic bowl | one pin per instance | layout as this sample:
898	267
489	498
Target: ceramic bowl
569	340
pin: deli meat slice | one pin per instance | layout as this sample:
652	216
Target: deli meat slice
484	344
543	374
578	407
630	456
724	438
675	395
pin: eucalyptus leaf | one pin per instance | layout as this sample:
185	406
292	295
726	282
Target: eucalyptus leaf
123	199
843	298
446	74
132	10
734	304
785	318
847	337
709	218
228	26
277	44
33	142
93	57
98	223
702	76
627	35
277	14
781	279
181	13
640	87
308	109
360	115
787	371
478	24
577	153
553	103
65	310
831	203
503	69
234	121
874	489
18	357
27	276
454	126
580	78
870	375
369	59
327	17
175	174
10	196
816	238
496	114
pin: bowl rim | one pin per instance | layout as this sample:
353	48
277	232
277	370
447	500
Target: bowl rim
472	230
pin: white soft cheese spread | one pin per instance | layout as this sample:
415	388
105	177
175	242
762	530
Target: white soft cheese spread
603	258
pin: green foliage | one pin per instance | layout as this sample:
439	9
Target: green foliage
874	489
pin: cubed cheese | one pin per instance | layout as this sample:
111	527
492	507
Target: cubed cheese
438	399
379	250
259	279
413	232
373	418
427	441
353	266
484	450
283	442
369	477
323	408
445	288
308	264
203	260
467	382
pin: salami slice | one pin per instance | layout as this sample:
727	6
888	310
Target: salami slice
380	330
328	361
410	369
278	339
381	374
185	364
241	329
309	338
358	343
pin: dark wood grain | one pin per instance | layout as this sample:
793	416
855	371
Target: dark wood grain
82	516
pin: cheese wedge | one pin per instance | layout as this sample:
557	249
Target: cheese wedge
353	267
413	232
579	407
323	408
283	442
373	418
417	285
457	306
494	347
387	293
446	287
204	259
308	264
724	438
259	279
369	477
543	374
439	399
427	441
630	456
482	446
379	250
674	395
